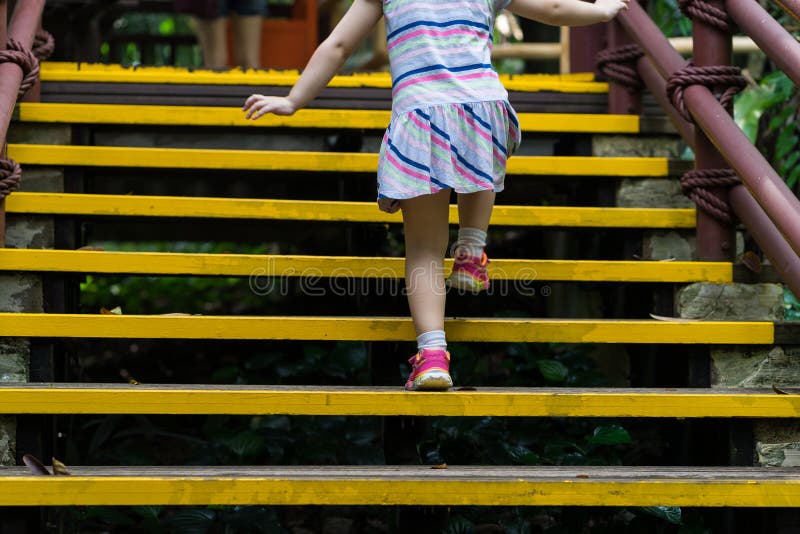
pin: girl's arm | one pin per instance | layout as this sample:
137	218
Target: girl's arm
362	16
567	12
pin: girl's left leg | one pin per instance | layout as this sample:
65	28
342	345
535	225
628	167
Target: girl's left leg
425	220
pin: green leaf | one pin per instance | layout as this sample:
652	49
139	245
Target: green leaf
610	435
552	370
667	513
786	142
791	180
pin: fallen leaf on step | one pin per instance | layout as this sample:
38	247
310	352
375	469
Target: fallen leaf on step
673	319
466	388
112	311
35	466
779	391
581	476
59	468
90	247
751	260
440	466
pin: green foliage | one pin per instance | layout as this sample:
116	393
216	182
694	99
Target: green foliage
669	18
791	306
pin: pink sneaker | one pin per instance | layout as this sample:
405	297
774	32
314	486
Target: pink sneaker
430	370
469	273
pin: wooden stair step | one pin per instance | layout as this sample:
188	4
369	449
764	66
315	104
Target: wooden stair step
264	160
306	118
385	329
166	263
405	485
67	398
55	71
311	210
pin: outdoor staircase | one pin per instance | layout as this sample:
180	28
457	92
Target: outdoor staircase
367	485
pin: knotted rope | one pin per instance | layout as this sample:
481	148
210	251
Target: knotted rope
10	175
696	185
707	13
619	65
43	45
17	53
725	81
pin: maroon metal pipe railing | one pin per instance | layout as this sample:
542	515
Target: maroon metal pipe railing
780	204
780	254
3	39
779	45
658	88
716	241
24	23
792	7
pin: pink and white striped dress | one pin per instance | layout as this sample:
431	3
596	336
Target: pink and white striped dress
452	126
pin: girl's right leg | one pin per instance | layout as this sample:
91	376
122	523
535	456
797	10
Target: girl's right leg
469	272
425	220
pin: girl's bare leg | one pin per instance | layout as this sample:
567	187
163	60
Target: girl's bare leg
475	209
425	220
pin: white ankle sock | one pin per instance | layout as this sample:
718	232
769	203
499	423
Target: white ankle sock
434	339
471	241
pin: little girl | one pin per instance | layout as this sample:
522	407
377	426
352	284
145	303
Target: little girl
451	128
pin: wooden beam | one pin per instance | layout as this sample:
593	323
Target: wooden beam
264	160
53	71
405	485
311	210
305	118
147	263
524	330
391	401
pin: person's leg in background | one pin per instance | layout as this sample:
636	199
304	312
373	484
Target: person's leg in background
247	23
212	36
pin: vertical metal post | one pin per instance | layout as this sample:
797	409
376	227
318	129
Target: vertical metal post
716	241
620	99
3	38
585	43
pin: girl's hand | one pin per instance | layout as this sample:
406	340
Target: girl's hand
611	8
258	105
389	205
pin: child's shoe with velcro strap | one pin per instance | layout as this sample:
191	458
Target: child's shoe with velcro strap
430	371
469	273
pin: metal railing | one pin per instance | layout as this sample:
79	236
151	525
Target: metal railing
19	71
690	94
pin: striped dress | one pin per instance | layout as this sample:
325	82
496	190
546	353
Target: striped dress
452	126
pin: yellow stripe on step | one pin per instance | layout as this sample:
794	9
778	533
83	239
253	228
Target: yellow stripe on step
382	329
184	158
390	401
350	266
98	73
310	210
306	118
404	485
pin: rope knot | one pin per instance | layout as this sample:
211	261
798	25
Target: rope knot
17	53
705	12
619	65
697	185
724	81
10	176
43	45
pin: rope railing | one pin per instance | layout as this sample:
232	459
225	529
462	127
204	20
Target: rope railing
19	71
767	207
